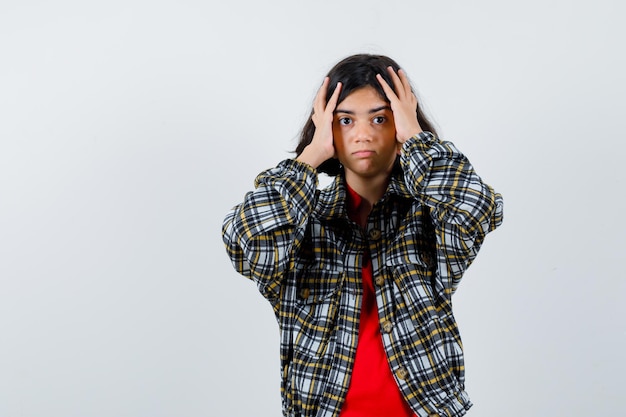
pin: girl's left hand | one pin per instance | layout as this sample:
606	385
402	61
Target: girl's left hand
403	104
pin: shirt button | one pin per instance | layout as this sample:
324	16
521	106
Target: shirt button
380	280
387	326
402	373
305	292
375	234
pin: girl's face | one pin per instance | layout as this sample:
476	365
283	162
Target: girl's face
364	135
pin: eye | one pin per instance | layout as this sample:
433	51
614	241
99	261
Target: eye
379	120
345	121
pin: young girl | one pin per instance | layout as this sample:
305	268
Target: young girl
361	274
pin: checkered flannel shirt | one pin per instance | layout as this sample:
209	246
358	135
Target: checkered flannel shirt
305	256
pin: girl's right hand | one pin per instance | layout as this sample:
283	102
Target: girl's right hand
322	147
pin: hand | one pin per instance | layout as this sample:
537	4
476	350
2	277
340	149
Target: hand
403	104
322	147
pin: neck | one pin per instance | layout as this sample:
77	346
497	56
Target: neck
370	189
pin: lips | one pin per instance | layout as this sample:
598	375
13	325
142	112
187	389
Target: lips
364	153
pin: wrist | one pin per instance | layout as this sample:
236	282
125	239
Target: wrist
402	138
312	157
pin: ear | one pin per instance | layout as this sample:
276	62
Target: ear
398	147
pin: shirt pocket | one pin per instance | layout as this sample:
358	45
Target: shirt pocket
410	260
414	243
317	303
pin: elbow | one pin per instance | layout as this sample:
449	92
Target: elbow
489	215
498	212
481	214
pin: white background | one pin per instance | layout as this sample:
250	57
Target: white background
129	128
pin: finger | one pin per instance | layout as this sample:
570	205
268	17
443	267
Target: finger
411	97
397	83
391	95
319	102
405	82
332	102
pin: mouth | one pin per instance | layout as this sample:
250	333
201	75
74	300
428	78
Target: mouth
364	153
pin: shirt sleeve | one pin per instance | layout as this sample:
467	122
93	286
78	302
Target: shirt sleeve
463	208
261	233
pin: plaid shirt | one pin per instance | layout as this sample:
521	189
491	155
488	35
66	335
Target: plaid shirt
305	256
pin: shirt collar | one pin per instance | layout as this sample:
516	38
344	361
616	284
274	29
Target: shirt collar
334	200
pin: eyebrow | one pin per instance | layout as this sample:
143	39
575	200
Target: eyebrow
374	110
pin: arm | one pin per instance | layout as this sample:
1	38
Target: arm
263	232
463	208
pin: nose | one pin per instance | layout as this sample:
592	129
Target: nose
362	132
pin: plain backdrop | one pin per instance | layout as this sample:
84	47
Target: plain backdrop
129	128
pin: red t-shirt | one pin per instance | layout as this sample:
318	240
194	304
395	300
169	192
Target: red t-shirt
373	390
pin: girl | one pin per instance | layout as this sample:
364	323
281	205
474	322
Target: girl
361	274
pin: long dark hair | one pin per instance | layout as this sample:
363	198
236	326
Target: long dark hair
355	72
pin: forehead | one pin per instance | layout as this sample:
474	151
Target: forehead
364	98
